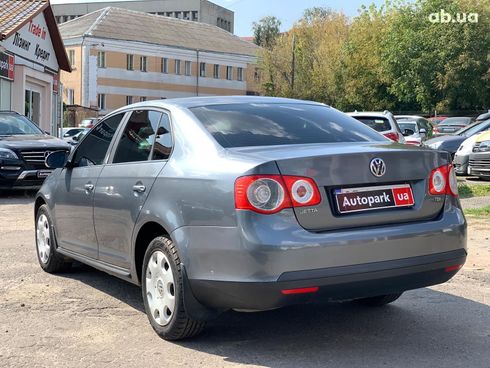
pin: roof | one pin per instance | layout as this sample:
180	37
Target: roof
128	25
15	14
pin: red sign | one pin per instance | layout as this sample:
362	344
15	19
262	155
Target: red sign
403	196
56	83
6	66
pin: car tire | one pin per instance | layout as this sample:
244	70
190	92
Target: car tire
378	301
49	259
163	292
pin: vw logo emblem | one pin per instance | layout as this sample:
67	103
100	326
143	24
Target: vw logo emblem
378	167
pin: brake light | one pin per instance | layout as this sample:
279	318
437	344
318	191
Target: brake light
269	194
435	130
305	290
393	136
443	181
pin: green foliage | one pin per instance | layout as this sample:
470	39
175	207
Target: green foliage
473	190
266	31
388	57
478	212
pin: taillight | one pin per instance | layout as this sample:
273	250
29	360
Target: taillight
435	130
443	181
392	136
272	193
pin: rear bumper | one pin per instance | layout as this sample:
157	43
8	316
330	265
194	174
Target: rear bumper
460	164
336	283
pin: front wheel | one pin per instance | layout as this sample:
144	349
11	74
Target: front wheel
162	287
49	259
378	301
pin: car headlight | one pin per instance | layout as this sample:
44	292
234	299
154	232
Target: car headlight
484	146
7	154
435	145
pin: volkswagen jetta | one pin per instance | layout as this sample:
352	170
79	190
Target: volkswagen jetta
249	203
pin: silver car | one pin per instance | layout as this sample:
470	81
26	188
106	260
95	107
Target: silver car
249	203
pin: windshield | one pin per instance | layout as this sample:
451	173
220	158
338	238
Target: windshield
377	123
456	121
408	125
12	124
266	124
473	129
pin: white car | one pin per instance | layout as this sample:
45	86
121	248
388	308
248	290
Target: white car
383	122
462	157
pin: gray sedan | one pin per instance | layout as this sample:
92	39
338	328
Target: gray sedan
249	203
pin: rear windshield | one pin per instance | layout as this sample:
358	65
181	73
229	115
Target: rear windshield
455	121
244	125
379	124
408	125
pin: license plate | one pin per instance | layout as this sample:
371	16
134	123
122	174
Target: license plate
373	198
44	173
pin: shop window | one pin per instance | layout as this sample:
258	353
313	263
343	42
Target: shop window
195	16
129	100
101	59
229	72
5	94
142	99
177	67
101	101
164	65
239	74
202	69
188	66
71	57
143	65
130	62
216	71
186	15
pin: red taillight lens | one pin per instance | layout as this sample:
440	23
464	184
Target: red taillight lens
443	181
392	136
305	290
272	193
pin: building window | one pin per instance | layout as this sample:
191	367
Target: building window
186	15
101	59
194	16
177	14
143	63
129	100
101	101
239	73
168	14
129	62
71	57
177	67
216	71
188	66
202	69
70	96
229	72
142	99
164	65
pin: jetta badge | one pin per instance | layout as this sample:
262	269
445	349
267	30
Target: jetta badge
378	167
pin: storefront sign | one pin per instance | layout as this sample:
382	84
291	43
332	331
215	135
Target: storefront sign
56	83
33	42
6	66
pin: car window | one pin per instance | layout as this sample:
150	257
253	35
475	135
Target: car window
377	123
136	142
266	124
412	125
12	124
163	140
92	150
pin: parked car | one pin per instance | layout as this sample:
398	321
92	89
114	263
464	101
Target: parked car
383	122
88	123
23	149
452	125
249	203
462	155
479	163
435	120
68	133
451	143
77	137
415	129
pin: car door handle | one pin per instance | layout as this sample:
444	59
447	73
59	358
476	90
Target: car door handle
139	188
89	187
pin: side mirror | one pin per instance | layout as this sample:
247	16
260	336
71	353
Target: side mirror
76	138
56	159
408	132
423	131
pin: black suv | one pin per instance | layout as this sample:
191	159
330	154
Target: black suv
23	149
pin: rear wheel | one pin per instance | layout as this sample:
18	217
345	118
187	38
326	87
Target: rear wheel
162	287
378	301
49	259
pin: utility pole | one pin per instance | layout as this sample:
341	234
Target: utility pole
293	63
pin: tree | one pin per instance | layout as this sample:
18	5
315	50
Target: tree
266	31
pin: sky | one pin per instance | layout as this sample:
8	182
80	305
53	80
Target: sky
288	11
